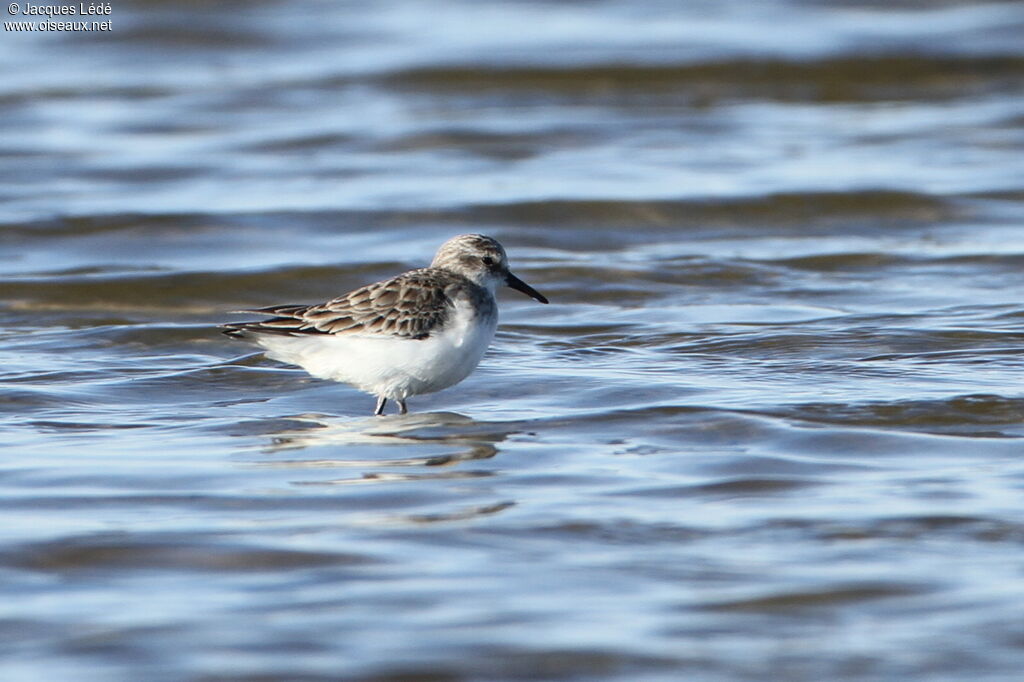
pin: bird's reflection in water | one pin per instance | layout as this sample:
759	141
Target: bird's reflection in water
378	444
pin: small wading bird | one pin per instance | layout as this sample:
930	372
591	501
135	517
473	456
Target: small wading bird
416	333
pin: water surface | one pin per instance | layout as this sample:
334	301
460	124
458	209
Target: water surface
770	426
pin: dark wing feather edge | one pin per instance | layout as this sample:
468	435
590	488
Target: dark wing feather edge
409	306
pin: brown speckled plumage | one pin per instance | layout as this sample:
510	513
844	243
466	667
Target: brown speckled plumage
416	333
408	306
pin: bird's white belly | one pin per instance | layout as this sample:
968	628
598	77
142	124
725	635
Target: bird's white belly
390	366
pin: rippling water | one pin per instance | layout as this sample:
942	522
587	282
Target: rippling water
770	427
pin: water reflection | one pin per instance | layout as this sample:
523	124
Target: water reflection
376	444
308	431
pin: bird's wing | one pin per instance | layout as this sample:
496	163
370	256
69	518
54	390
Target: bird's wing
409	306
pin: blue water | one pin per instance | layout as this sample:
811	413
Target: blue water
769	428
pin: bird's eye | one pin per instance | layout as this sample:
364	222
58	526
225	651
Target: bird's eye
488	261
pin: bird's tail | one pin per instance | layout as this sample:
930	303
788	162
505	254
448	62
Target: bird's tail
285	320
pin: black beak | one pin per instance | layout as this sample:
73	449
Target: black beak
520	285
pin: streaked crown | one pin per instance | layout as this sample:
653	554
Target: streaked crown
476	257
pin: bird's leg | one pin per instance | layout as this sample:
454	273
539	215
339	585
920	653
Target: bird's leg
381	401
401	406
